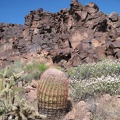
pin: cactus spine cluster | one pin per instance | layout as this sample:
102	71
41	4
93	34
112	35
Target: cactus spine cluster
52	92
11	105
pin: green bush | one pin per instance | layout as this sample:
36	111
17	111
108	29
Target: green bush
95	78
36	66
34	70
94	70
83	90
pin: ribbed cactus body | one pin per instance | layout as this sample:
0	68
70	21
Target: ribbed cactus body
52	92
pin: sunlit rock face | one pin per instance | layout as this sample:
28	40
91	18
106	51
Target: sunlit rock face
72	36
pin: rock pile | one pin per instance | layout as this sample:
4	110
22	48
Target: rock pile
69	37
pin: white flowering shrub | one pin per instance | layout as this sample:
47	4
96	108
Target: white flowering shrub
92	87
92	79
94	70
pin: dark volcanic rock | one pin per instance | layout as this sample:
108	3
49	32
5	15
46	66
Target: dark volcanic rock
113	17
68	37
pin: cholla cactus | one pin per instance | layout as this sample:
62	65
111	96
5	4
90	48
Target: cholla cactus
11	105
52	92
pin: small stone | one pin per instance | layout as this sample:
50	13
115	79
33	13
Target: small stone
28	89
81	104
33	83
71	115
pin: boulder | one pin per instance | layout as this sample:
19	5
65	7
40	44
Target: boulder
113	17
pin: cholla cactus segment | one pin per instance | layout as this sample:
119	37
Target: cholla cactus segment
52	91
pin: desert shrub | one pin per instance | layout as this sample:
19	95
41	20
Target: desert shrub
28	77
59	68
36	66
33	71
91	79
15	68
94	70
85	89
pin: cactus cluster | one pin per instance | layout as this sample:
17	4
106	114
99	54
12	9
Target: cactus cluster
12	107
52	93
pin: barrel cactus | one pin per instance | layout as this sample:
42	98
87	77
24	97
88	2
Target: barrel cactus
52	93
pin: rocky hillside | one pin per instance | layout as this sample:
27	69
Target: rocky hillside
68	37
